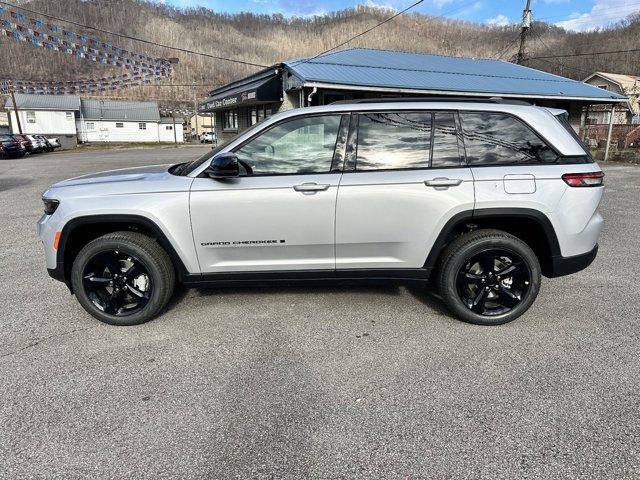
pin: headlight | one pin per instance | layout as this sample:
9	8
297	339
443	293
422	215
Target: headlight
50	205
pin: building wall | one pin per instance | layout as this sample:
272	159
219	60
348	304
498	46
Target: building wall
205	124
44	122
106	131
165	132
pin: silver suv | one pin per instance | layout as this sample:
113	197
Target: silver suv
478	198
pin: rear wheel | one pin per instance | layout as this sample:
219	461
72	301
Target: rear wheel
123	278
489	277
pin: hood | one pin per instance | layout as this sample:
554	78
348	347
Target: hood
152	172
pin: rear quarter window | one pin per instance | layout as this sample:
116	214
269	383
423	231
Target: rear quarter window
492	138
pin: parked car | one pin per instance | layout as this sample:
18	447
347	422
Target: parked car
39	145
477	198
208	137
46	145
11	147
26	143
54	142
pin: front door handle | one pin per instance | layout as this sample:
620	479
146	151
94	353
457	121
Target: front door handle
443	182
310	188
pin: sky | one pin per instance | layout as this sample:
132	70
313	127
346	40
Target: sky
579	15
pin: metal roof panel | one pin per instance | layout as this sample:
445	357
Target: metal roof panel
404	70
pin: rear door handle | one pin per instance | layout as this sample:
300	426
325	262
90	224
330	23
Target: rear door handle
310	188
443	182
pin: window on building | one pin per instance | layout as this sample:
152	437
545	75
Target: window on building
168	127
142	126
498	138
31	117
230	120
91	126
299	146
446	151
119	125
69	116
259	113
390	141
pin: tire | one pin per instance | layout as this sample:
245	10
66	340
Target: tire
488	277
101	281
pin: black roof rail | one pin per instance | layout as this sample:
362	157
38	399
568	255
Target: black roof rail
499	100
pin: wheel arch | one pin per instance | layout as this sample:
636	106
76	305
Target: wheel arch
531	226
79	231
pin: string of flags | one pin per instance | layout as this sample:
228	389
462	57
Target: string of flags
138	68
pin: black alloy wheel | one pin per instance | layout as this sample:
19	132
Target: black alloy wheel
488	277
117	283
493	282
123	278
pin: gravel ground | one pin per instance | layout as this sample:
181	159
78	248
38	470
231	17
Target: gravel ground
319	382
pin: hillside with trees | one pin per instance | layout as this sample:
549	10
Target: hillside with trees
268	39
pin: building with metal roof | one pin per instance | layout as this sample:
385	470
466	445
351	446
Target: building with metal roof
44	102
120	110
367	73
73	120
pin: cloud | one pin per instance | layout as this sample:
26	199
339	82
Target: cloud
603	13
499	20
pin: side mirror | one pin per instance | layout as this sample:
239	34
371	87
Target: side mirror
224	165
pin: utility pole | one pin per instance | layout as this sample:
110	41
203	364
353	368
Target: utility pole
195	106
524	30
15	109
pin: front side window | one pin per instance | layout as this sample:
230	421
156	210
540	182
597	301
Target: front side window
299	146
391	141
500	139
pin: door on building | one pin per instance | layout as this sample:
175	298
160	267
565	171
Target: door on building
279	214
401	184
103	134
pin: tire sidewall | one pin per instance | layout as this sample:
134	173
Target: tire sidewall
453	267
155	273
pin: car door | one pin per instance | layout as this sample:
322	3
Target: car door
279	214
404	178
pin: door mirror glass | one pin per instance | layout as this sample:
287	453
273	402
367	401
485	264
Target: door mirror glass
223	165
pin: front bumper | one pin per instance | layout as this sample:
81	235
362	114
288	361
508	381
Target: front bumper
561	266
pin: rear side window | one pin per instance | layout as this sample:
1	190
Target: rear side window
500	139
392	141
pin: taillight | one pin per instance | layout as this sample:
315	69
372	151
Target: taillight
590	179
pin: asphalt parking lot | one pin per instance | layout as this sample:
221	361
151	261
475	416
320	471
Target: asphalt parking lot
315	382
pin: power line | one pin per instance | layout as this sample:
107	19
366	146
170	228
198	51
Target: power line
129	37
397	14
586	54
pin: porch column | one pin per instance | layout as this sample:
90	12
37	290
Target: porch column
606	148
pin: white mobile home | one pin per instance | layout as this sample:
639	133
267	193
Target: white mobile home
50	115
119	121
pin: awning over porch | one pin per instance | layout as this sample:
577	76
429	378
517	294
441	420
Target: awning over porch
261	88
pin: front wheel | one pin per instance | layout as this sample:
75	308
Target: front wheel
123	278
488	277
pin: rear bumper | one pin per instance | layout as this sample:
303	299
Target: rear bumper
567	265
